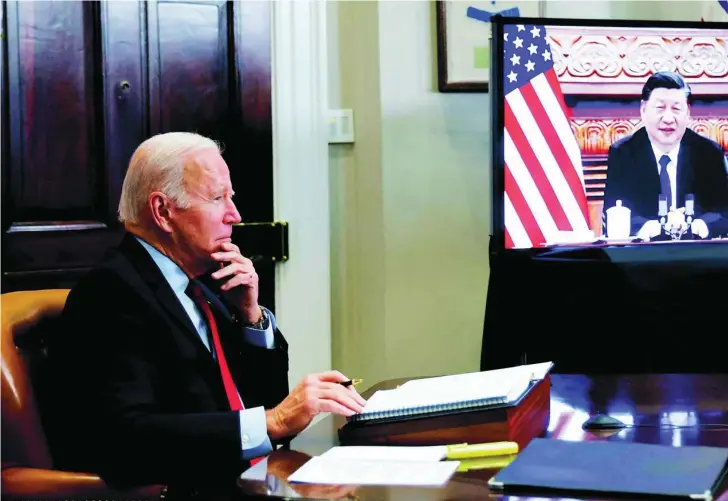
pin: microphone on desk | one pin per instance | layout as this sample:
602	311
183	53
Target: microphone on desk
662	216
689	205
690	212
690	216
662	209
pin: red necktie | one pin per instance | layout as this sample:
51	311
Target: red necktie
231	390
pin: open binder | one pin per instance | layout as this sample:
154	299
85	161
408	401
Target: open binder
451	394
503	405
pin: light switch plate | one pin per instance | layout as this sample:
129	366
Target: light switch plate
341	126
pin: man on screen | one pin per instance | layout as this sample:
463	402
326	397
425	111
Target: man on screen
665	157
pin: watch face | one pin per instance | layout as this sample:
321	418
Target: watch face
263	318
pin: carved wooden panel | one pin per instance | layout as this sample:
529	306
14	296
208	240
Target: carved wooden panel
54	127
57	202
188	69
596	135
622	59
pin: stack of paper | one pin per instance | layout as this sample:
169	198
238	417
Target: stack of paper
378	465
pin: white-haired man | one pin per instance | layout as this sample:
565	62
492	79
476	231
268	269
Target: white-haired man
171	368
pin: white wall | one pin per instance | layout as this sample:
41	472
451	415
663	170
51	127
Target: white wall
409	200
357	211
435	152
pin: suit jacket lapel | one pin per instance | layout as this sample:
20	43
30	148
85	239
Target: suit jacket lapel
224	317
164	295
648	165
684	175
217	303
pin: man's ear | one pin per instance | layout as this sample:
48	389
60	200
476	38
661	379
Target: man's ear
161	209
643	106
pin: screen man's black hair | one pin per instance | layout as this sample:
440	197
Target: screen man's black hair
665	80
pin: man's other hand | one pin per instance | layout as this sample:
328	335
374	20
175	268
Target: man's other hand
700	228
315	394
649	230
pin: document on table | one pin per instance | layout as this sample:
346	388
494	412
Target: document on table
378	465
387	453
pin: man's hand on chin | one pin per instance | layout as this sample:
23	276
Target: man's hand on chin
240	285
315	394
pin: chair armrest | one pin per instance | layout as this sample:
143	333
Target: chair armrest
37	483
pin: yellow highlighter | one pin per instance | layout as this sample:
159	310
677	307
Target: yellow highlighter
486	463
468	451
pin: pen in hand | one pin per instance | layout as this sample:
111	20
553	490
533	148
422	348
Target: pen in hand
351	382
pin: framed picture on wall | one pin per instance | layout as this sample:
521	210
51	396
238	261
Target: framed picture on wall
463	39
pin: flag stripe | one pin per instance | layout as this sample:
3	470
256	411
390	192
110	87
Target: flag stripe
509	241
517	234
549	96
561	158
530	192
554	83
541	165
522	211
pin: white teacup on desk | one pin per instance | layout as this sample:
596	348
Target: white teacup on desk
618	221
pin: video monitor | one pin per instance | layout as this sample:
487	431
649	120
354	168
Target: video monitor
608	132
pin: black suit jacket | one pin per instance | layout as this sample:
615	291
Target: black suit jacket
142	399
702	169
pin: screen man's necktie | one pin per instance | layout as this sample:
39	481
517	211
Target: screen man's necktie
665	187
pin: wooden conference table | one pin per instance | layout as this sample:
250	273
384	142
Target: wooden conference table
671	409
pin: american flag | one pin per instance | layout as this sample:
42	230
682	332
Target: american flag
544	181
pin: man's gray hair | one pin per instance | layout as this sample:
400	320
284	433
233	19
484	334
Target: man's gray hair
158	165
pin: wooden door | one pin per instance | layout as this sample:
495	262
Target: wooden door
59	184
86	82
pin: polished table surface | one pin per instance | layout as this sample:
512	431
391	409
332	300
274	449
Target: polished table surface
669	409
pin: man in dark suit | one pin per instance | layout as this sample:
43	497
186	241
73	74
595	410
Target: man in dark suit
169	371
665	157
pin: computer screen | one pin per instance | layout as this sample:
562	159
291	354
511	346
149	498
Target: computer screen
609	132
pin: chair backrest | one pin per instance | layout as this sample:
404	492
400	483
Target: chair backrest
25	319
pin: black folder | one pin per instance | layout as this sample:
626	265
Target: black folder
547	466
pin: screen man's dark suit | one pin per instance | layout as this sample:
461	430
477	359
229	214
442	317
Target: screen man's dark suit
702	169
140	397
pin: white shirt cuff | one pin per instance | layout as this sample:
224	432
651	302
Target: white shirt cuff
254	433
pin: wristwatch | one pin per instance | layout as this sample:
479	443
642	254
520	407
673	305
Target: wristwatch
261	324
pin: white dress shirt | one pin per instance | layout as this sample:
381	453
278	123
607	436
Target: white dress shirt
254	439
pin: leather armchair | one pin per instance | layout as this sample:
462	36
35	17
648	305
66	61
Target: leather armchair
27	464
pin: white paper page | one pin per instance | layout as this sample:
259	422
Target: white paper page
535	371
432	453
437	393
320	470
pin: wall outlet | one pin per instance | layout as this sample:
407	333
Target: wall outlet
341	126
